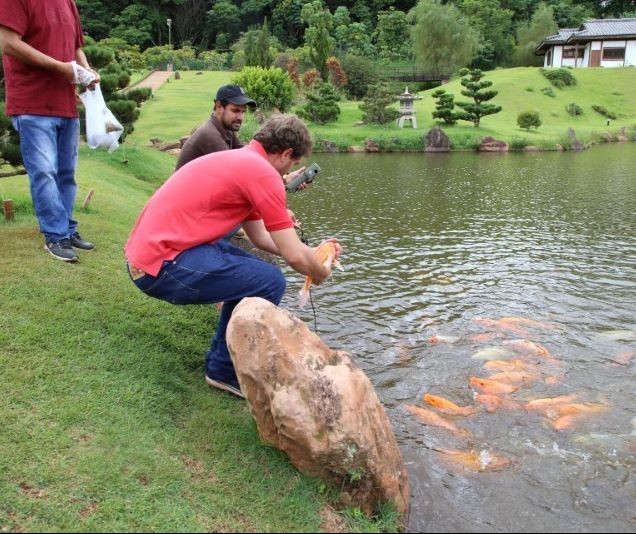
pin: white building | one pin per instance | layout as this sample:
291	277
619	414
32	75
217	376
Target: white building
597	43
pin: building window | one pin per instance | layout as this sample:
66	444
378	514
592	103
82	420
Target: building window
571	53
613	54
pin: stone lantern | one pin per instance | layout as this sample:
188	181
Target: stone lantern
407	111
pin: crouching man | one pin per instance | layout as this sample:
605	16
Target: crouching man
176	252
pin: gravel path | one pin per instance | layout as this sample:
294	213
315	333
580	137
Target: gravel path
154	81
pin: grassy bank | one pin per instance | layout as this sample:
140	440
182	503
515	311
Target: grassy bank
108	425
183	104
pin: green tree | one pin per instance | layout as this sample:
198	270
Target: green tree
477	89
287	24
528	119
361	72
223	24
392	35
135	25
495	25
271	88
375	106
9	141
322	104
530	34
444	107
317	35
443	39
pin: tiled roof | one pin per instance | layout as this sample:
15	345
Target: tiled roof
590	29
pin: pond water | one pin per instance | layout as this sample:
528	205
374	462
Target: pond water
440	248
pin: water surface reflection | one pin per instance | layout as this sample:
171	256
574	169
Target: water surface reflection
434	244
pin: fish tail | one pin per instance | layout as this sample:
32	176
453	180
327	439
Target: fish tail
303	297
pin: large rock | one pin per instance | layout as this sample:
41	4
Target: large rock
316	405
490	144
575	144
436	140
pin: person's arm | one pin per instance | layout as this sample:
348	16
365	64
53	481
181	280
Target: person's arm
80	58
12	45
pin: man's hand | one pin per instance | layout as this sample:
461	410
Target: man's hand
287	178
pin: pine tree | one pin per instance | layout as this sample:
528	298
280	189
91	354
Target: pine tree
444	107
476	89
376	105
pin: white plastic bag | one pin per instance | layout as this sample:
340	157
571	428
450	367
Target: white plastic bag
102	128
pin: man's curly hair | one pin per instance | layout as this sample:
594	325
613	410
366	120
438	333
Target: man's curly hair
283	131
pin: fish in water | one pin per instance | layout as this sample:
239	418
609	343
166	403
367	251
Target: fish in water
443	339
493	353
476	461
448	407
429	417
491	387
326	254
514	378
493	403
544	404
511	365
568	415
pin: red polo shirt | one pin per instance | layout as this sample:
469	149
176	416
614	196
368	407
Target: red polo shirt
52	27
203	201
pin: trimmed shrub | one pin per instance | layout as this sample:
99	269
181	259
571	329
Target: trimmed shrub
548	91
376	104
574	109
321	106
603	111
271	87
518	143
559	77
528	119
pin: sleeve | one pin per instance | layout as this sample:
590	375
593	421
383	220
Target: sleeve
14	15
267	195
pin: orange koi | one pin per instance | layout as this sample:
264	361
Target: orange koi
510	365
491	387
448	407
530	347
623	358
492	402
568	415
482	338
514	378
541	405
429	417
325	254
476	461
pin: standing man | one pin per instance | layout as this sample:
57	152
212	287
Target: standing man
219	132
176	251
41	42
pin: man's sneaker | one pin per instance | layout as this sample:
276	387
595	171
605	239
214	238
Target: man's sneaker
78	242
61	250
226	385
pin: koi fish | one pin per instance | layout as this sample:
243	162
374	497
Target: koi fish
510	365
541	405
493	403
530	347
325	254
514	378
492	353
448	407
476	461
482	338
570	414
443	339
429	417
491	387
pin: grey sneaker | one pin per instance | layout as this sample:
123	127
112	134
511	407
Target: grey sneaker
78	242
232	386
61	250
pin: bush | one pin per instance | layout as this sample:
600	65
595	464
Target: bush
604	112
574	109
321	106
271	87
139	95
361	72
528	119
548	91
559	77
375	106
518	143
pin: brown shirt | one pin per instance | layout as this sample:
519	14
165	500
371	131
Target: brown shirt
210	137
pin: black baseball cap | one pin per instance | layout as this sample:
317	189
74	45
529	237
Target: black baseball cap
234	94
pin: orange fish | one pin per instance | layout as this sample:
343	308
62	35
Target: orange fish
530	347
541	405
448	407
482	338
493	403
476	461
429	417
491	387
514	378
623	358
326	254
569	414
510	365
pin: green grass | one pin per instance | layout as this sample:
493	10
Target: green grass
108	425
181	105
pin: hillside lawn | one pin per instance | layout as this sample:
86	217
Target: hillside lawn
181	105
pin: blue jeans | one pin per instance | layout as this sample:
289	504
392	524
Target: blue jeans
213	273
49	150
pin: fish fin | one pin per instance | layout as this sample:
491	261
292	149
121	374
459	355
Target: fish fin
338	265
303	297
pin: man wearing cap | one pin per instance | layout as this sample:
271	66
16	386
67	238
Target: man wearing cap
219	132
